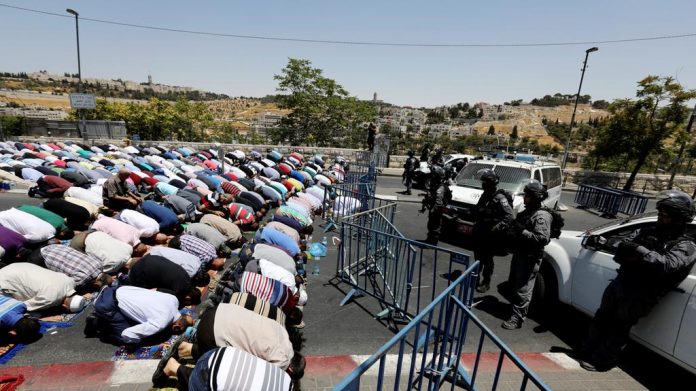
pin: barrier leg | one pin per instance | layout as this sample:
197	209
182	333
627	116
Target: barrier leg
353	293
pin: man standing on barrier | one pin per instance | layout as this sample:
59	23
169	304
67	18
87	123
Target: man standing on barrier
492	216
653	261
530	233
409	168
436	200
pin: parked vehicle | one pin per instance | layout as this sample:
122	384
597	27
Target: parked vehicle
578	266
421	176
514	175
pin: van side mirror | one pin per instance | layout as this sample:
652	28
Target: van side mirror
593	242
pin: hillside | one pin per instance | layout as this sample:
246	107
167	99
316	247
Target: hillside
528	119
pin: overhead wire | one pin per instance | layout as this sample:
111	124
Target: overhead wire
357	43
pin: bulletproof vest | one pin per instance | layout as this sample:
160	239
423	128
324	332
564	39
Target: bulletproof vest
410	164
488	210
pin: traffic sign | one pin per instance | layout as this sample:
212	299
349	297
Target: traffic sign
83	101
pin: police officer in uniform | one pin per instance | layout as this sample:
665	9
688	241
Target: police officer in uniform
409	167
493	216
440	195
531	232
652	262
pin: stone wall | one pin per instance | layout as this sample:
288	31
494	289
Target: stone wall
644	183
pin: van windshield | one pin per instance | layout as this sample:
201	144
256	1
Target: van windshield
512	179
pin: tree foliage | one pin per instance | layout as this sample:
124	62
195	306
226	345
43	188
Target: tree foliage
639	127
322	110
156	119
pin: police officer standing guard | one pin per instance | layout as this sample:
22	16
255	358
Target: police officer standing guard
493	216
437	199
531	232
652	262
409	168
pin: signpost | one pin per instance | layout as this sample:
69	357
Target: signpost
82	101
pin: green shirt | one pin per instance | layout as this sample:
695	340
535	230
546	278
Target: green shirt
46	215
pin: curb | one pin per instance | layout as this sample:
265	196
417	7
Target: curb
139	372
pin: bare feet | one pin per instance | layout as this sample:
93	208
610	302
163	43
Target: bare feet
185	349
171	367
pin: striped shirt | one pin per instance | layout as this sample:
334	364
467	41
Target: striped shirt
233	188
261	307
266	289
11	311
230	368
239	213
200	248
82	268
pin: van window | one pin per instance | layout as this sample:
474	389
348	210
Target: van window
537	175
552	177
512	179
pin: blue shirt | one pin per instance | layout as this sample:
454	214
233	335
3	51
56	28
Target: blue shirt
164	216
166	188
11	311
272	236
297	175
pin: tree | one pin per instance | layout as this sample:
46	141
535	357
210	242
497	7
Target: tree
600	104
513	134
640	127
320	106
491	130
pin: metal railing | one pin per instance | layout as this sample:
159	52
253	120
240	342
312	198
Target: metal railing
347	199
610	201
402	274
429	349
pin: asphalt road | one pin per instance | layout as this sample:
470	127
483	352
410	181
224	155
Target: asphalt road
332	329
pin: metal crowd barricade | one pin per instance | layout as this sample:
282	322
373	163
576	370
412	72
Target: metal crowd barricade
603	199
361	173
366	157
345	199
632	203
421	364
402	274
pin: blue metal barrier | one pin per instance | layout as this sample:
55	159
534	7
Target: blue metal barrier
429	348
610	201
347	199
402	274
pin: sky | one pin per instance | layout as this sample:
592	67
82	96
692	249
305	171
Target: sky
402	75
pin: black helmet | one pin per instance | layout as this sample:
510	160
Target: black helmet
535	189
676	204
486	174
409	153
438	172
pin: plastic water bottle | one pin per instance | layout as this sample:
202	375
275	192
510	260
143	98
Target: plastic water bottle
316	269
325	242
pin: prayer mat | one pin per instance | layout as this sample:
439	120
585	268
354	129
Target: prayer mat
9	350
10	382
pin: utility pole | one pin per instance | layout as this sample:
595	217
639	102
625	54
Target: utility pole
577	97
83	131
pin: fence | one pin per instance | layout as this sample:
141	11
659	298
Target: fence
346	199
422	365
610	201
402	274
367	157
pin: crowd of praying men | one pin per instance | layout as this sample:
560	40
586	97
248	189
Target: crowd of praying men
139	232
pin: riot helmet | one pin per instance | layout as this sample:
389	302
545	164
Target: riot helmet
676	204
487	175
536	190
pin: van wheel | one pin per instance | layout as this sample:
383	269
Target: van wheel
545	293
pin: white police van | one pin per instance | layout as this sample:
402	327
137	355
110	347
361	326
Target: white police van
514	175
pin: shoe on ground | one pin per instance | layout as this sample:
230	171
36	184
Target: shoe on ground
512	323
594	367
483	288
451	276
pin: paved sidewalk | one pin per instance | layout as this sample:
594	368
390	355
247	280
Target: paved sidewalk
324	372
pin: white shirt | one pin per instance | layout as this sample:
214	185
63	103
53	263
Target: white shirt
275	255
31	227
145	224
154	310
37	287
277	273
84	195
187	261
317	192
344	206
112	252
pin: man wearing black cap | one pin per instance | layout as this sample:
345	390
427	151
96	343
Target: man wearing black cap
409	168
653	261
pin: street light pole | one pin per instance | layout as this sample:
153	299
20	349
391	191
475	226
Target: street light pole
83	131
577	97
